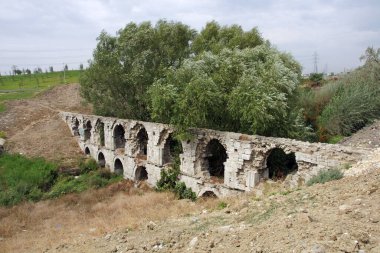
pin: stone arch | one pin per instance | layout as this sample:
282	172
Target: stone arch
141	174
100	131
101	159
214	158
209	194
278	164
118	167
75	128
87	130
119	136
172	149
87	151
142	142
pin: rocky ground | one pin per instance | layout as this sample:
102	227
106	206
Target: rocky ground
339	216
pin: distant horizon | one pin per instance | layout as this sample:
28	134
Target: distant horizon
41	34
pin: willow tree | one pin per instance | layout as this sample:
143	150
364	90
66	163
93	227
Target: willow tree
125	65
246	90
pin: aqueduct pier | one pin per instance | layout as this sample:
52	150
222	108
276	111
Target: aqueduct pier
213	162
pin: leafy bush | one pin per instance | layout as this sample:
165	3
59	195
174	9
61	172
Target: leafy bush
22	178
169	181
87	165
183	192
325	176
354	105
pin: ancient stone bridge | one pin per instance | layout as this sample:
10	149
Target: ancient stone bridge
213	162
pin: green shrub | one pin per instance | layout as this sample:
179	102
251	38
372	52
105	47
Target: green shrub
184	192
24	178
335	139
168	180
352	107
87	165
325	176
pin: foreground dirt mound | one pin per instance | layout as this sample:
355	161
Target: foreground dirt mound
368	137
33	127
339	216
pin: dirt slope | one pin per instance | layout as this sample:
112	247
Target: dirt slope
339	216
33	126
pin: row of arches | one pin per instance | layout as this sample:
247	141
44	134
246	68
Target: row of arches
141	173
277	164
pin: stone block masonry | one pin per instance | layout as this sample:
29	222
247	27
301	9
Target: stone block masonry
213	162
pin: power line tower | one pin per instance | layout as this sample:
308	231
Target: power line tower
315	59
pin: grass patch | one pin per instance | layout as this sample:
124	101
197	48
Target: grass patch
91	180
24	179
325	176
221	205
33	179
39	80
27	86
3	135
335	139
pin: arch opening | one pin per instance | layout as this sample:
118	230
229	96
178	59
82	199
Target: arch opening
87	130
209	194
100	130
141	174
101	160
119	136
76	127
172	150
142	143
280	164
87	151
216	155
118	167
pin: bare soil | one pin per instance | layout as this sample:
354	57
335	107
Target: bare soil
34	128
339	216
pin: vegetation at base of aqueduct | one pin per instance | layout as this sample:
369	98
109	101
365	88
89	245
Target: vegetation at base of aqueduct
223	78
33	179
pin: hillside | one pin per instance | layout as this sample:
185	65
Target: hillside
34	128
339	216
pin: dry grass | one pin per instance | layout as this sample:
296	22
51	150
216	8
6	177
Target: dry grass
92	213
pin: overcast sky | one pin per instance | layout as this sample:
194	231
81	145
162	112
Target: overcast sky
43	33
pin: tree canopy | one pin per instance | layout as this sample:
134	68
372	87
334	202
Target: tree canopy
222	78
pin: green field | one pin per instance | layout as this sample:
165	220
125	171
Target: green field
26	86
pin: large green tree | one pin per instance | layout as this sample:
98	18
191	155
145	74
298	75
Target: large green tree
125	65
244	90
222	78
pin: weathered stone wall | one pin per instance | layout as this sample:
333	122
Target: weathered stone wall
244	168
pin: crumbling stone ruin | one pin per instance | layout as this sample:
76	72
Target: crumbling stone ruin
213	163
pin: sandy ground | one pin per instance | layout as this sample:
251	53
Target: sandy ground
339	216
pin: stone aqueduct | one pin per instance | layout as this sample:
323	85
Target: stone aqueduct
213	162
